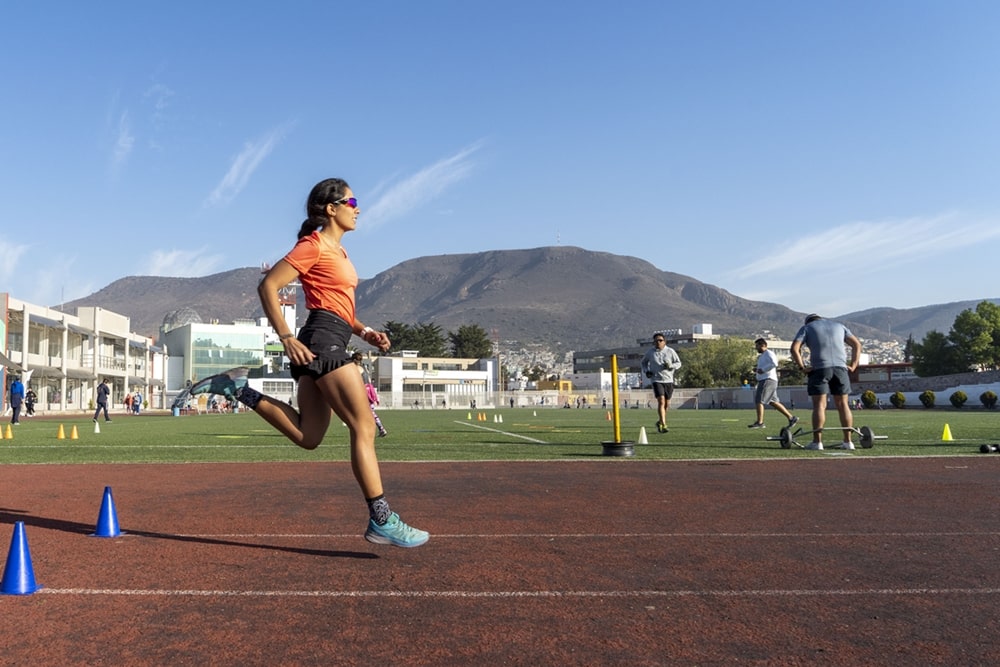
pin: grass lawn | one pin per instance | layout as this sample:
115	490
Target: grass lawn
523	434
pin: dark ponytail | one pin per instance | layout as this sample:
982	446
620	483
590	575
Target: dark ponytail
323	193
310	225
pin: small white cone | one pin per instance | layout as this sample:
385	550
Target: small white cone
642	436
495	420
534	413
500	418
97	427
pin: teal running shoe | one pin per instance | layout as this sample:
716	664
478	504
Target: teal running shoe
396	533
224	384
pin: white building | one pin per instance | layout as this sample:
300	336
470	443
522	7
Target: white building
412	381
64	357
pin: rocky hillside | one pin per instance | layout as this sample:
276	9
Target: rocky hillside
569	297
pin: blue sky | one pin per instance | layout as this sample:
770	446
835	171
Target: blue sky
828	156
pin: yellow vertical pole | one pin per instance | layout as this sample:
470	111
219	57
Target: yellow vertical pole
614	398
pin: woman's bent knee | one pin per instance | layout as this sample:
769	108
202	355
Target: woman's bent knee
310	442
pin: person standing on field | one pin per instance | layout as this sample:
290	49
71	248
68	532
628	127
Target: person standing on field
370	390
828	372
766	392
16	399
103	392
659	364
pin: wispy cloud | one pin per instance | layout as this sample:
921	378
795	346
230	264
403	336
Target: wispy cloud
11	253
183	263
158	95
124	141
890	243
401	197
244	165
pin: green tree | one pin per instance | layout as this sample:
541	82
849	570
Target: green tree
935	355
990	312
908	348
789	373
723	362
400	335
972	339
430	340
470	342
427	339
697	375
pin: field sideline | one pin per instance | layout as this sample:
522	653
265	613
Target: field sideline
522	434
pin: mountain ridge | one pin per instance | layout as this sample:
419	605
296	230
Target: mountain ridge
568	297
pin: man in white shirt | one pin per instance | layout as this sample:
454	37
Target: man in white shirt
767	386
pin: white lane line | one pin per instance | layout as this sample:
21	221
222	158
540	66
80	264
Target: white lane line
507	536
526	594
496	430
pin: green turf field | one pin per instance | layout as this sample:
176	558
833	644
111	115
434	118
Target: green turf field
524	434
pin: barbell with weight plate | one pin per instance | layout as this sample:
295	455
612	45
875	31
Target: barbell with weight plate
866	434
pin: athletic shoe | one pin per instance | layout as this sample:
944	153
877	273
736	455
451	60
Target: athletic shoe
847	444
662	428
815	446
793	421
396	533
756	425
382	433
224	384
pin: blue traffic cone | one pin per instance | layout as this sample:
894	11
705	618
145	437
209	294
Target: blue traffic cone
18	575
107	520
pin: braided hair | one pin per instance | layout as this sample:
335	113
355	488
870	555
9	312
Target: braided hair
323	193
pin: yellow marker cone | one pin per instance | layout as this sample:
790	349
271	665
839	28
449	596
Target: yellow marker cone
9	433
469	416
642	436
62	433
73	434
946	435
